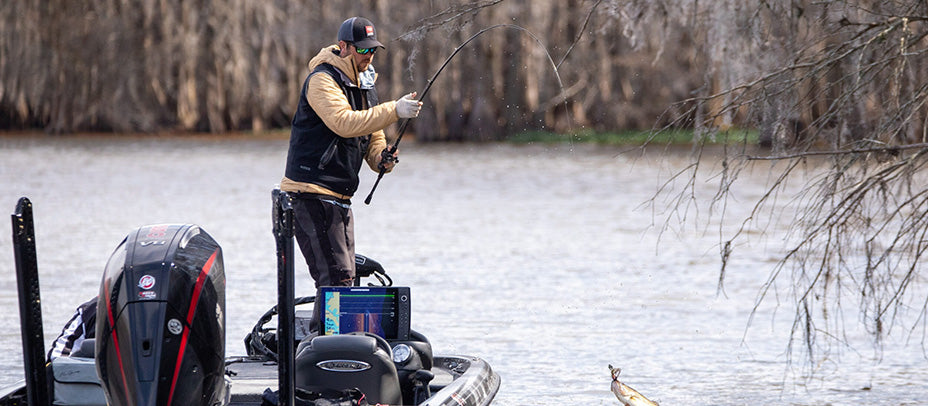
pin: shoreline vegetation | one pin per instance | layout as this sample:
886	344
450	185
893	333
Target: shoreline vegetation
679	137
639	137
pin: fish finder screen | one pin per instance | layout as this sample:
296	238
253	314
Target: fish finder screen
376	310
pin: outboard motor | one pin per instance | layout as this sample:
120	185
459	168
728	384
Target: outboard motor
161	319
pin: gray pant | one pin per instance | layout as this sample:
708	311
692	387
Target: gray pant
325	232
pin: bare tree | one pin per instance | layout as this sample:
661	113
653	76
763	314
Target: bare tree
210	65
838	91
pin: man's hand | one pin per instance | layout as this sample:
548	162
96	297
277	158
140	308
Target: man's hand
407	106
387	160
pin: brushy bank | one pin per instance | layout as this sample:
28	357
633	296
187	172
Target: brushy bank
662	137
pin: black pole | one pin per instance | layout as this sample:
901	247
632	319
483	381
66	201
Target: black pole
283	234
30	305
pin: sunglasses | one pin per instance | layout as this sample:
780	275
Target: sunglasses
364	51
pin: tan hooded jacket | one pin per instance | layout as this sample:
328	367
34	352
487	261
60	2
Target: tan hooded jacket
329	102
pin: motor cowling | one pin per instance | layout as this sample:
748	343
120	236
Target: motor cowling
161	319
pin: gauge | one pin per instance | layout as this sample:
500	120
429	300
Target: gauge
401	353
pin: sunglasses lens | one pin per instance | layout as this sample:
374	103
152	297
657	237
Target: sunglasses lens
365	51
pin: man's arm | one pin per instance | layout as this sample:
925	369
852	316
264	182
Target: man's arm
326	98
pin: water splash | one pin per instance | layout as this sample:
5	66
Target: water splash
450	15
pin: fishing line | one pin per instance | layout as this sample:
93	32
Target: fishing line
431	81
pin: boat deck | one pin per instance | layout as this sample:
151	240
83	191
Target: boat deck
250	378
459	380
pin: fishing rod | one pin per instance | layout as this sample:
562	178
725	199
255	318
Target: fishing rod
428	86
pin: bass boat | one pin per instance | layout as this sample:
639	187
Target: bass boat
160	334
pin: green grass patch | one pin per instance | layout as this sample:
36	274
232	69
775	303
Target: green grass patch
677	137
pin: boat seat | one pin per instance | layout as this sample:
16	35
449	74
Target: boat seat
86	350
76	382
348	361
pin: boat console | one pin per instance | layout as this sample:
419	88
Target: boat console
362	340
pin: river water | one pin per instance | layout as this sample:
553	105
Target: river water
543	260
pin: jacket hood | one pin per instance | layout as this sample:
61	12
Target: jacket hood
330	56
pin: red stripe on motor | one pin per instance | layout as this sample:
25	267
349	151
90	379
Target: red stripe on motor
201	279
109	314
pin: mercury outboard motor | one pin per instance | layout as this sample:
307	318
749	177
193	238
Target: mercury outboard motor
161	319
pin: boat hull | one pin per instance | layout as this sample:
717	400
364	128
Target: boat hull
459	381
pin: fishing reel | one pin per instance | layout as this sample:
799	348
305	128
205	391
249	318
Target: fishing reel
387	156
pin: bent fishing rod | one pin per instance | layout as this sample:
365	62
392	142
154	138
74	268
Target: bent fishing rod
428	86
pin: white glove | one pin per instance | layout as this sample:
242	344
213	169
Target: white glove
407	106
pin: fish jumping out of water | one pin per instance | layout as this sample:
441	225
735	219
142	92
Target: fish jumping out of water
625	393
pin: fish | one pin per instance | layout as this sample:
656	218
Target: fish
625	393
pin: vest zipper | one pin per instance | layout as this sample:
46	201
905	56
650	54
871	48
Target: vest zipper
328	154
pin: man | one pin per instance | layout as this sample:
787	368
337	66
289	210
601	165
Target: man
338	123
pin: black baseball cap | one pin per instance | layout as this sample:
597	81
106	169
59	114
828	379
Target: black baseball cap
360	32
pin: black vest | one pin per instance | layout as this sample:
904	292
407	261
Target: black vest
319	156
